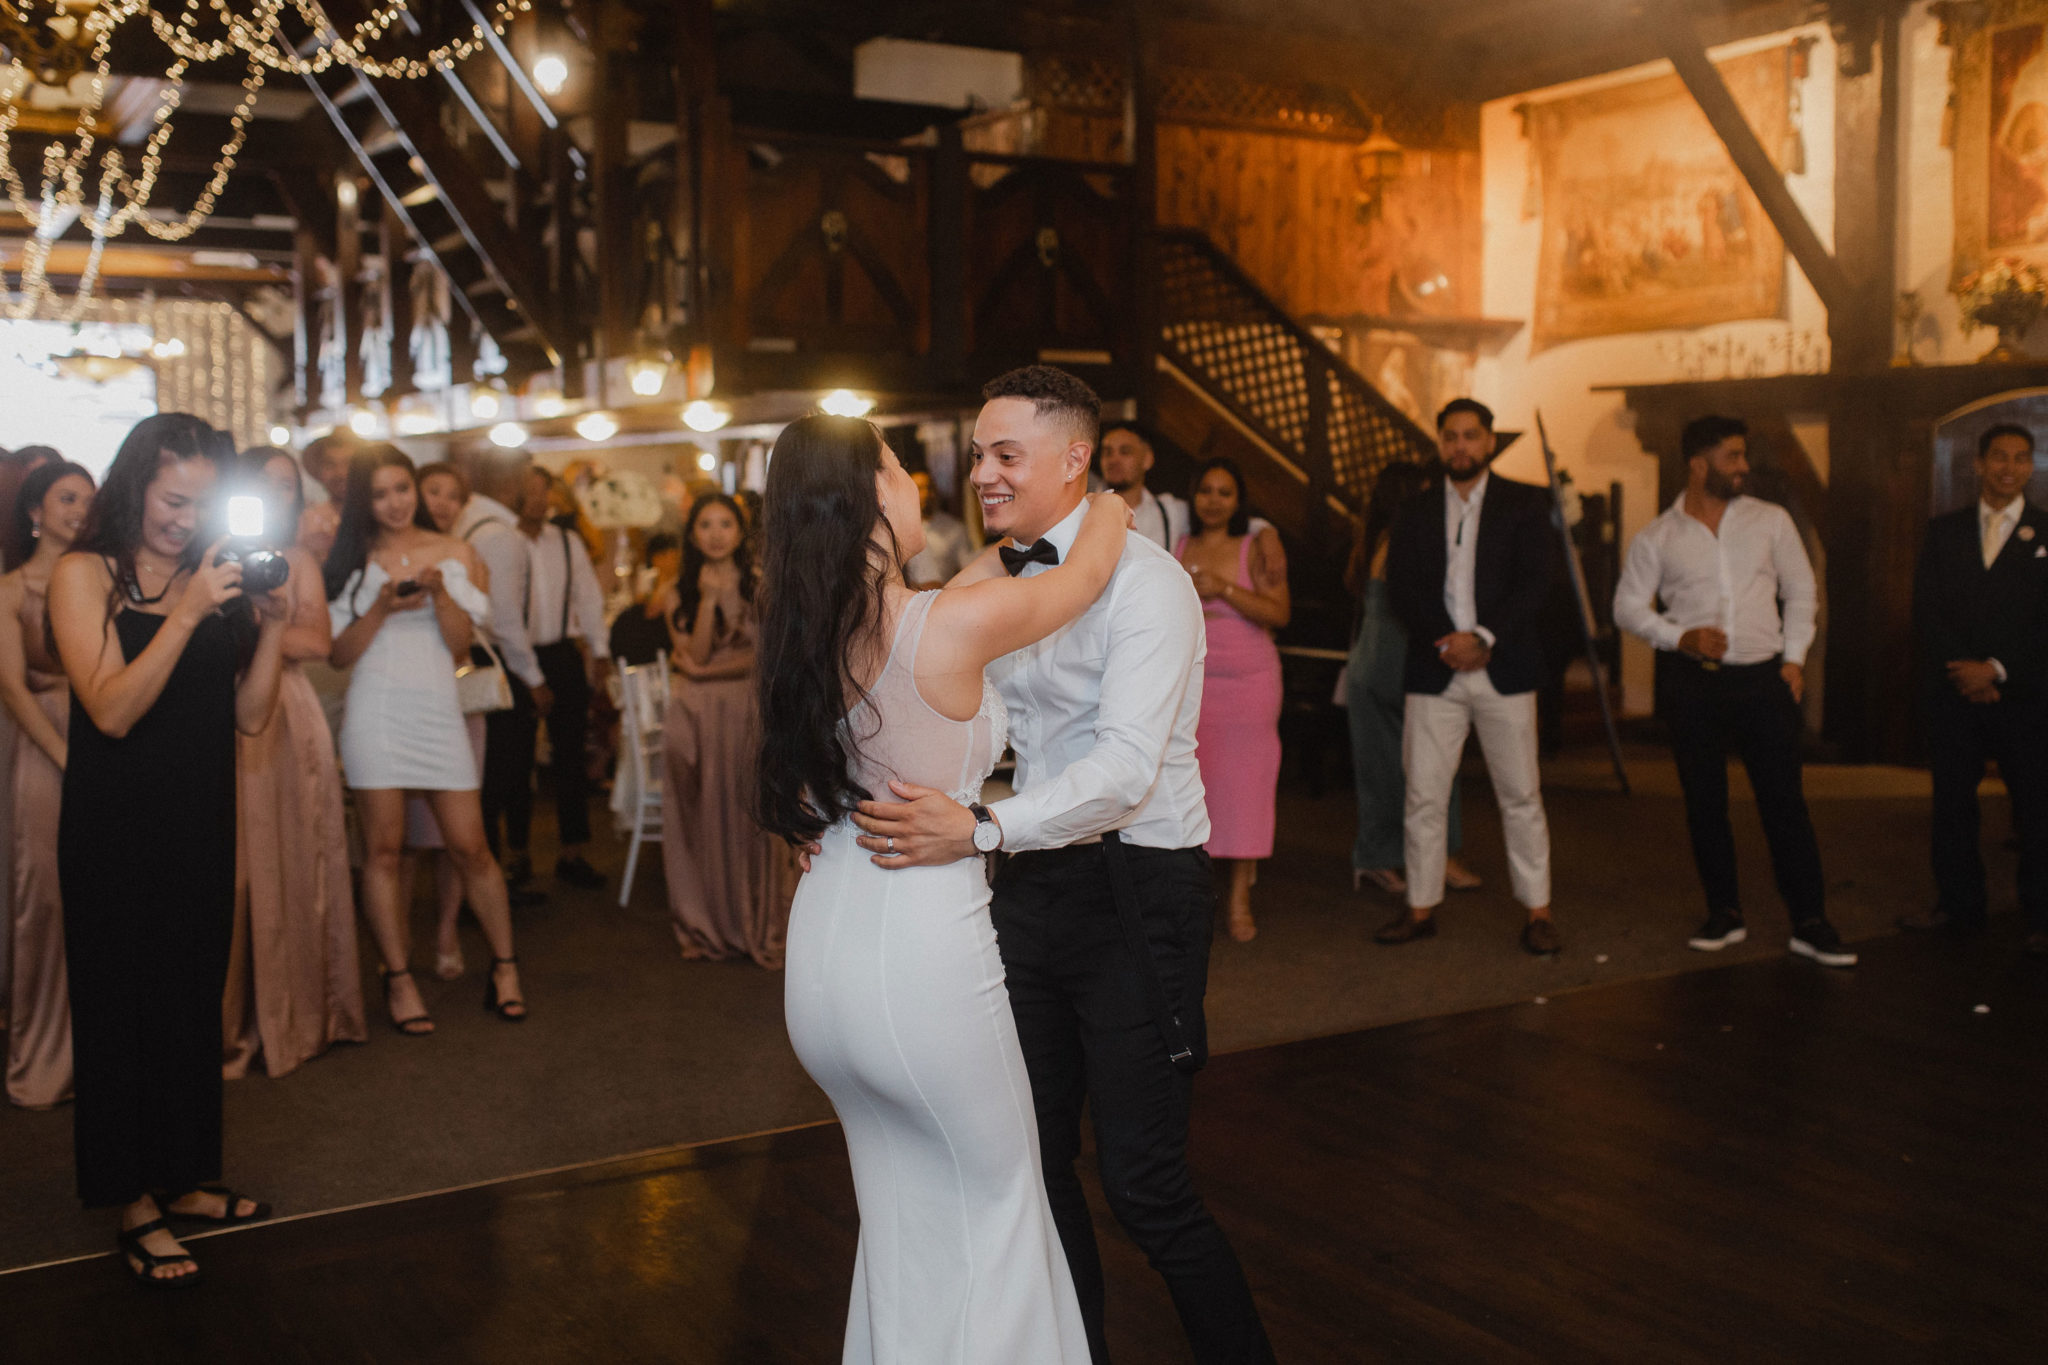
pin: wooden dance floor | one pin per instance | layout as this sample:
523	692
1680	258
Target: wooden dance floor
1765	1162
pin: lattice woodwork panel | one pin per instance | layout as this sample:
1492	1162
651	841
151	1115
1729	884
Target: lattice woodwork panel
1247	349
1078	84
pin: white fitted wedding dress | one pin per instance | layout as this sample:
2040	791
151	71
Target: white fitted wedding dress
403	726
896	1006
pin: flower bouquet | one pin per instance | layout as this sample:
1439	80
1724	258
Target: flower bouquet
621	499
2008	295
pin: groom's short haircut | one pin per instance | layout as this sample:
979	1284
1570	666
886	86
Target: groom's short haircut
1054	393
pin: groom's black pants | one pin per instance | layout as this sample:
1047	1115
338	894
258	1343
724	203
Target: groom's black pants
1085	1019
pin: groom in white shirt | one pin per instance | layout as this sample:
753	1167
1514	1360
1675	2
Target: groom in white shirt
1103	910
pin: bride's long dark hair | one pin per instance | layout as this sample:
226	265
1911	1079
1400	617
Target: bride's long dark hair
821	596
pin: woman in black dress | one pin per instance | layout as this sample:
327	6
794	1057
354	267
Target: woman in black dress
166	662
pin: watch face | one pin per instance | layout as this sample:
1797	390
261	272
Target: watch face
987	837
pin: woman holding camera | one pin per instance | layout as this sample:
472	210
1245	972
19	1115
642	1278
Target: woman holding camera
166	663
294	985
404	607
47	516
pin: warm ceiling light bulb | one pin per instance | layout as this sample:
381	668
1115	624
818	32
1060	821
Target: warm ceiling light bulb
707	462
703	416
597	426
509	435
280	436
647	374
550	73
483	404
846	403
550	405
363	423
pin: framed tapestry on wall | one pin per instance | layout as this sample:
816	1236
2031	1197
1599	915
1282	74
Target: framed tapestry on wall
1999	132
1647	223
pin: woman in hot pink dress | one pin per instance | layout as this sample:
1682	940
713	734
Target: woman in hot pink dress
1241	576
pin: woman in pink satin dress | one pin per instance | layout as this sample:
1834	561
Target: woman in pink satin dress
294	982
729	882
1241	576
48	513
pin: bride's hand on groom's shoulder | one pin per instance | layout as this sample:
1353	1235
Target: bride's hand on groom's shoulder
922	828
1101	503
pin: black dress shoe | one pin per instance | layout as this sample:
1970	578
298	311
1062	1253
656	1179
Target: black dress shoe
518	870
576	872
1541	939
524	897
1938	921
1405	928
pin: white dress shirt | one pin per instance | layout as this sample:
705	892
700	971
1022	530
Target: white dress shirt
1461	557
1103	711
563	599
1161	518
493	531
1994	528
1735	582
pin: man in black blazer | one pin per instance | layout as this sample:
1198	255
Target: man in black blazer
1980	618
1469	565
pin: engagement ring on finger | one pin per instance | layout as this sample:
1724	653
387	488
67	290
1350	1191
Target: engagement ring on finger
892	846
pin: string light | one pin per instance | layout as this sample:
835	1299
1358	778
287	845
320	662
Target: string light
551	74
123	199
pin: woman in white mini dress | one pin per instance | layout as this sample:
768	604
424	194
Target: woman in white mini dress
894	992
404	611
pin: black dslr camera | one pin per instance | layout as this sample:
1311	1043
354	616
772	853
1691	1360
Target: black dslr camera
263	570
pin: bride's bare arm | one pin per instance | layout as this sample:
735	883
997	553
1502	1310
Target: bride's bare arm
982	621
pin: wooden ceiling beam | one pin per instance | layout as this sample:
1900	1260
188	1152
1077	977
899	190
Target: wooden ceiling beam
1675	35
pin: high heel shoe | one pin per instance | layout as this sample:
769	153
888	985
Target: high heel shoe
503	1008
418	1025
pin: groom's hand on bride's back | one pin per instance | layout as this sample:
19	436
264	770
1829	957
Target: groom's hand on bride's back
923	828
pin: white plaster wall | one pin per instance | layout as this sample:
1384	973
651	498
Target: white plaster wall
1592	431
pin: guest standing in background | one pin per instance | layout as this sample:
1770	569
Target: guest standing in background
1375	702
49	512
15	466
325	461
1980	618
294	983
166	664
565	622
404	610
1127	458
1738	617
444	492
491	528
640	632
947	547
1241	578
1468	569
729	882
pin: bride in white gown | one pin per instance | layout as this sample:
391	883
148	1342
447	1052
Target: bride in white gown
894	990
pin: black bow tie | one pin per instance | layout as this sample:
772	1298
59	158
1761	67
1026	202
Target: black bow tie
1044	552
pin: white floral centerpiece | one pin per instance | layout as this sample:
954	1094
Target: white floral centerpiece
621	499
2008	295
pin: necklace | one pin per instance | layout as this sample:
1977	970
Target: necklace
133	585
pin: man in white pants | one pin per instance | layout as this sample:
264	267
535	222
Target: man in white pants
1469	564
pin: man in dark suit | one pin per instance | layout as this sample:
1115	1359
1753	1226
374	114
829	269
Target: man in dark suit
1469	564
1980	617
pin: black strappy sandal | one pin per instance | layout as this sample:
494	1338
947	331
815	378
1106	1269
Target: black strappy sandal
500	1007
409	1027
227	1217
129	1242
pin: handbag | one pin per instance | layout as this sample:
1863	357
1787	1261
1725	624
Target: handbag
480	684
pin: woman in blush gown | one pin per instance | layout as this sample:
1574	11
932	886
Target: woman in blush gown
729	882
1241	577
404	609
294	982
894	993
49	511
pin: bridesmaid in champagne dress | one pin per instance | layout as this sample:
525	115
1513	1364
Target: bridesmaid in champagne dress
294	984
729	882
48	513
15	466
1241	577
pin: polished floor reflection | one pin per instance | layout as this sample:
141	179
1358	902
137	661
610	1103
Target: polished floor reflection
1763	1162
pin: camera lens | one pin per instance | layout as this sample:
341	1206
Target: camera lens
264	571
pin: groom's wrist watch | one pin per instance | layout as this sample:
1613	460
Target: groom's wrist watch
988	835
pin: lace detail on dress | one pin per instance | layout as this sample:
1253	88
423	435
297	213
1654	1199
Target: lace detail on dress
997	717
900	736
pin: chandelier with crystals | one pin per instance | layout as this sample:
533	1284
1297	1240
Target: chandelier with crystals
59	43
